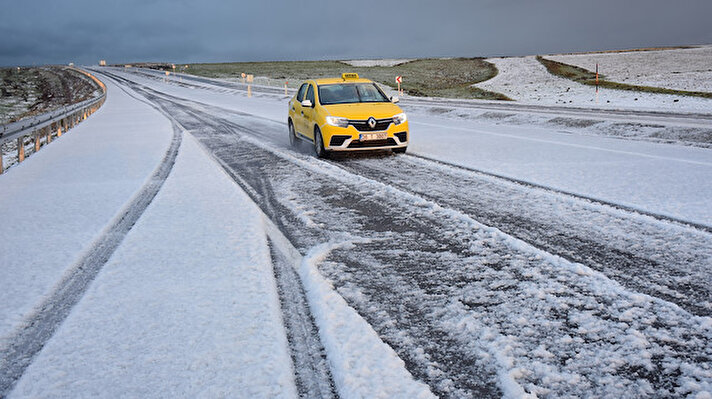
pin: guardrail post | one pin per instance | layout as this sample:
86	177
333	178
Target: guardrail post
59	130
1	167
20	149
49	135
38	134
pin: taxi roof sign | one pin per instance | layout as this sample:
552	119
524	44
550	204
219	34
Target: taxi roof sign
351	75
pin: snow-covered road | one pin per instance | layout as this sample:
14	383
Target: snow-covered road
512	256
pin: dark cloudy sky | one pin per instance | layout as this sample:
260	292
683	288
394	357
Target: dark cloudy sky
84	31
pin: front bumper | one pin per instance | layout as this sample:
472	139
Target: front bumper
348	138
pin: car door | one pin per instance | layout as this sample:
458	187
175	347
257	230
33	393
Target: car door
309	113
297	114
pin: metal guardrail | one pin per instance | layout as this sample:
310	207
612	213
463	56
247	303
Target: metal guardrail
49	124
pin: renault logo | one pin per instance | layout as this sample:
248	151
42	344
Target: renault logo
371	122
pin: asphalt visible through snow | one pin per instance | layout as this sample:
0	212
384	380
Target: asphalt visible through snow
482	286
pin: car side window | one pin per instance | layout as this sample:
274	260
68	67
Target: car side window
300	93
310	94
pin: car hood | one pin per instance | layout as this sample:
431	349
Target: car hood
361	111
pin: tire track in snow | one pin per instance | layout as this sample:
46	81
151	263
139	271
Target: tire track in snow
312	374
27	342
671	219
302	333
648	255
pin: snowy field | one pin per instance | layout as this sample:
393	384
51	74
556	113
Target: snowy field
371	63
681	69
526	80
512	257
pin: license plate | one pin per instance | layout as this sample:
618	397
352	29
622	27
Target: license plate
373	136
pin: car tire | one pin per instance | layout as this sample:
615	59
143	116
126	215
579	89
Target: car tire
319	144
400	150
293	140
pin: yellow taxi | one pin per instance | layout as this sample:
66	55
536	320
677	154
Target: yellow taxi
346	114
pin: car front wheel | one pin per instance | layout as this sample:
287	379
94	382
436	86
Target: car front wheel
293	140
319	144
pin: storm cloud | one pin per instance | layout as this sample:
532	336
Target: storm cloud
83	31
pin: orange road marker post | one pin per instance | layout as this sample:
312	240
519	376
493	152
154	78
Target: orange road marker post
399	80
596	83
250	79
285	87
20	149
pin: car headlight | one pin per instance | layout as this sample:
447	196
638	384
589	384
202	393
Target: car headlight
337	121
400	118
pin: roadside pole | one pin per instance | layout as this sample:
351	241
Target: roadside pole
250	79
399	80
20	149
596	83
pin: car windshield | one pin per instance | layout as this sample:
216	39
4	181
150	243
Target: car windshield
345	93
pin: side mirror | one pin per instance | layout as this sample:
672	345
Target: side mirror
395	99
307	103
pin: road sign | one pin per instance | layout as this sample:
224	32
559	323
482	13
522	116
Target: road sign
399	79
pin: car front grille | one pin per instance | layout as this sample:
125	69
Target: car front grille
372	143
362	125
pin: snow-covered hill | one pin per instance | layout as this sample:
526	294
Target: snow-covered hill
526	80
